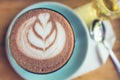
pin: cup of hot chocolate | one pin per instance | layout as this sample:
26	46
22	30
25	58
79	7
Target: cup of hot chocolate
41	41
45	39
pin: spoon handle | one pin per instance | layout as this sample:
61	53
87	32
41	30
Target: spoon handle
113	57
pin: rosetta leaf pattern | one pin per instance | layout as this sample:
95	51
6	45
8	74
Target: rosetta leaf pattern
44	30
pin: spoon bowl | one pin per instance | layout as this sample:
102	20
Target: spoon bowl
97	30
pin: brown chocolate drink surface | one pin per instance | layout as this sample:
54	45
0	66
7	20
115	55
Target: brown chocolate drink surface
41	41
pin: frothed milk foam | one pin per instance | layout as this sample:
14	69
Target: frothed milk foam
41	41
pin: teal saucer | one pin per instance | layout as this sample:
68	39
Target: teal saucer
80	47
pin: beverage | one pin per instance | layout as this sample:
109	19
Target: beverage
41	41
107	9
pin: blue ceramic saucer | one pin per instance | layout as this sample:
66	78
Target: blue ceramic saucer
80	47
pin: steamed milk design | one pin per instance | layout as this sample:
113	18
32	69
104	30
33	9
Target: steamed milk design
41	41
39	38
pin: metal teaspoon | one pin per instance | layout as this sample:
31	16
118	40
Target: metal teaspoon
97	32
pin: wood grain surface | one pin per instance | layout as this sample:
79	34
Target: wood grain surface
9	9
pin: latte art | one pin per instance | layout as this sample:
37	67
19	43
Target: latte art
39	38
41	41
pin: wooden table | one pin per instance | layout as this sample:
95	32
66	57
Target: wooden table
9	9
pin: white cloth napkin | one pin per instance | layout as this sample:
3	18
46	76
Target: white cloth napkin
97	54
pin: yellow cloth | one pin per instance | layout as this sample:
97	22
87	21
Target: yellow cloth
86	12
